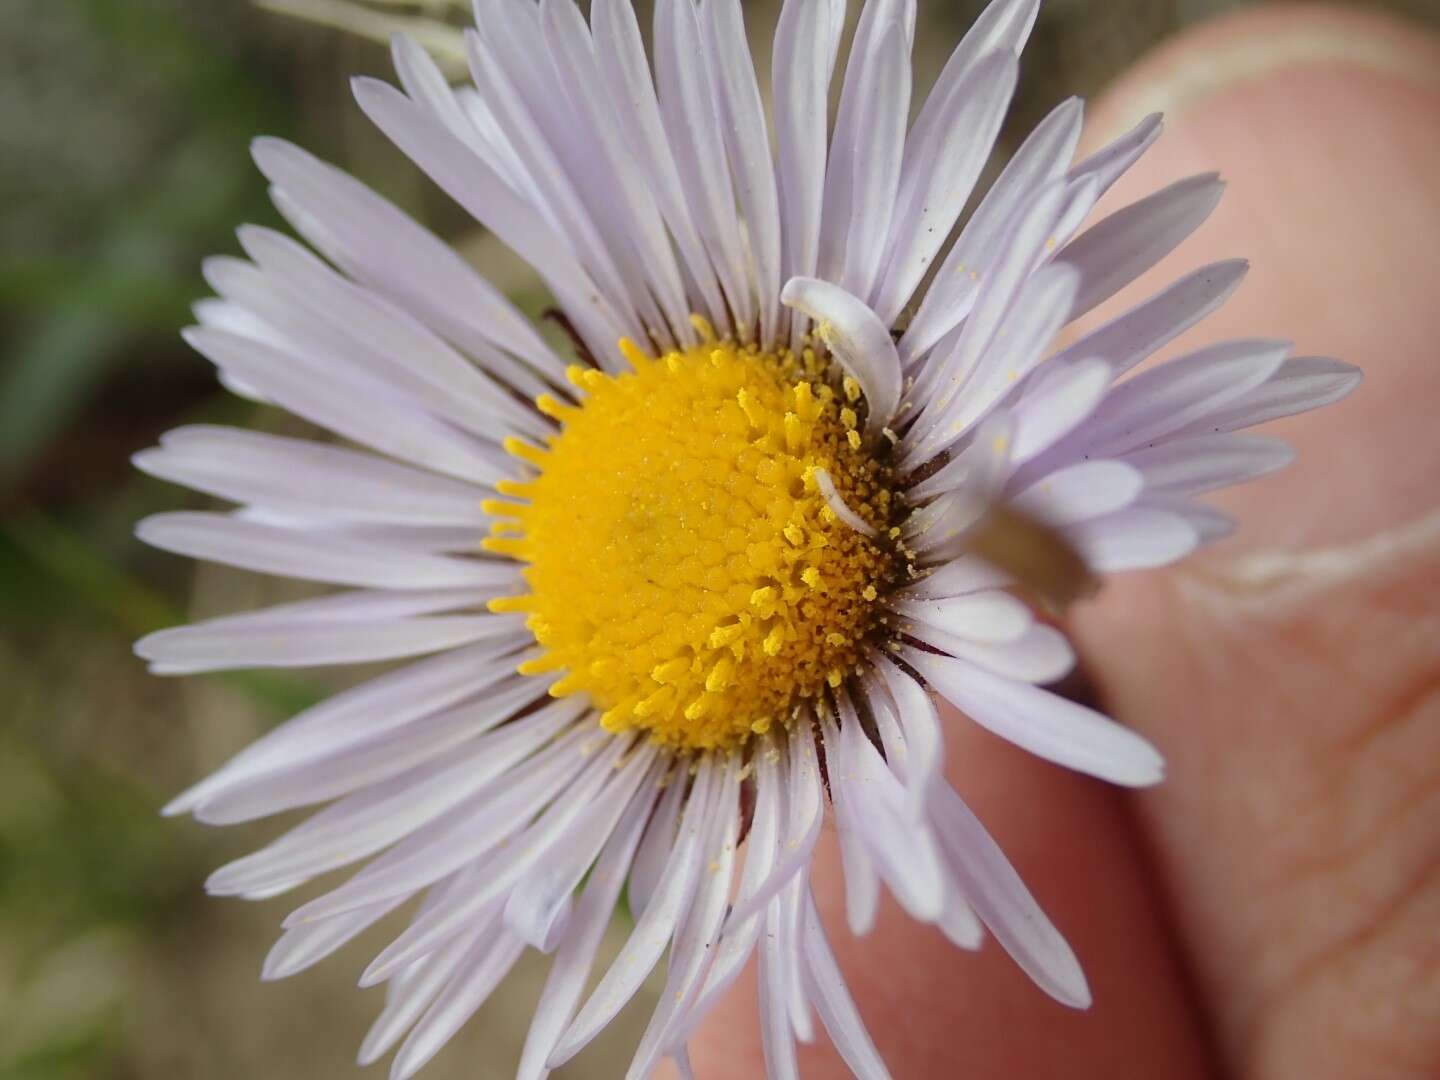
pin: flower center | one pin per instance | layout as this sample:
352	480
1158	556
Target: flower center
689	562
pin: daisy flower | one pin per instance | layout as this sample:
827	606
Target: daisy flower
672	605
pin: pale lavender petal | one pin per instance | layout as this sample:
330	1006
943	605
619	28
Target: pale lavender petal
576	954
302	947
861	880
858	340
776	1039
1079	492
692	126
1024	249
367	821
1041	655
400	349
696	943
849	140
537	908
1298	385
622	182
1016	349
268	549
350	408
1114	159
956	577
494	67
922	757
631	94
1140	538
410	1000
1041	159
801	72
1005	905
1061	396
989	617
1174	395
484	826
481	972
747	143
1045	724
1128	339
1004	25
806	814
187	650
882	113
941	166
1116	251
253	467
659	841
654	927
378	244
476	187
363	762
761	847
1205	462
360	712
833	1001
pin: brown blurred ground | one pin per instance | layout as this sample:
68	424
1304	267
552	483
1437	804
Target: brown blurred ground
123	131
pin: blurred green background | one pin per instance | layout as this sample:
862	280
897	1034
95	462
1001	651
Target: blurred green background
124	127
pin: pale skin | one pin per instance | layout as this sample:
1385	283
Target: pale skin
1273	909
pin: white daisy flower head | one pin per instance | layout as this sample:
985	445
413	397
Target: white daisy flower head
683	599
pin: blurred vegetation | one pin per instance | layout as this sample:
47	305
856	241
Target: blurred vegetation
124	127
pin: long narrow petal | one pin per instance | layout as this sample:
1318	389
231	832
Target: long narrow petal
858	340
1043	723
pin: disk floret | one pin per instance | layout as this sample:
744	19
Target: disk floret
685	568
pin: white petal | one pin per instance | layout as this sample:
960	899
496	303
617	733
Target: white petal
656	924
942	164
966	574
1041	159
363	762
1005	905
1136	539
375	242
1119	249
1206	462
687	109
882	113
858	340
1299	384
1171	396
187	650
269	549
252	467
801	71
747	143
834	1003
1043	723
481	973
632	101
358	713
576	954
360	410
988	617
1080	492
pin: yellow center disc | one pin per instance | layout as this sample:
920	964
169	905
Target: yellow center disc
685	568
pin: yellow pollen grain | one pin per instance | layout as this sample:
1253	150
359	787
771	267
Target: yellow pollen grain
682	567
